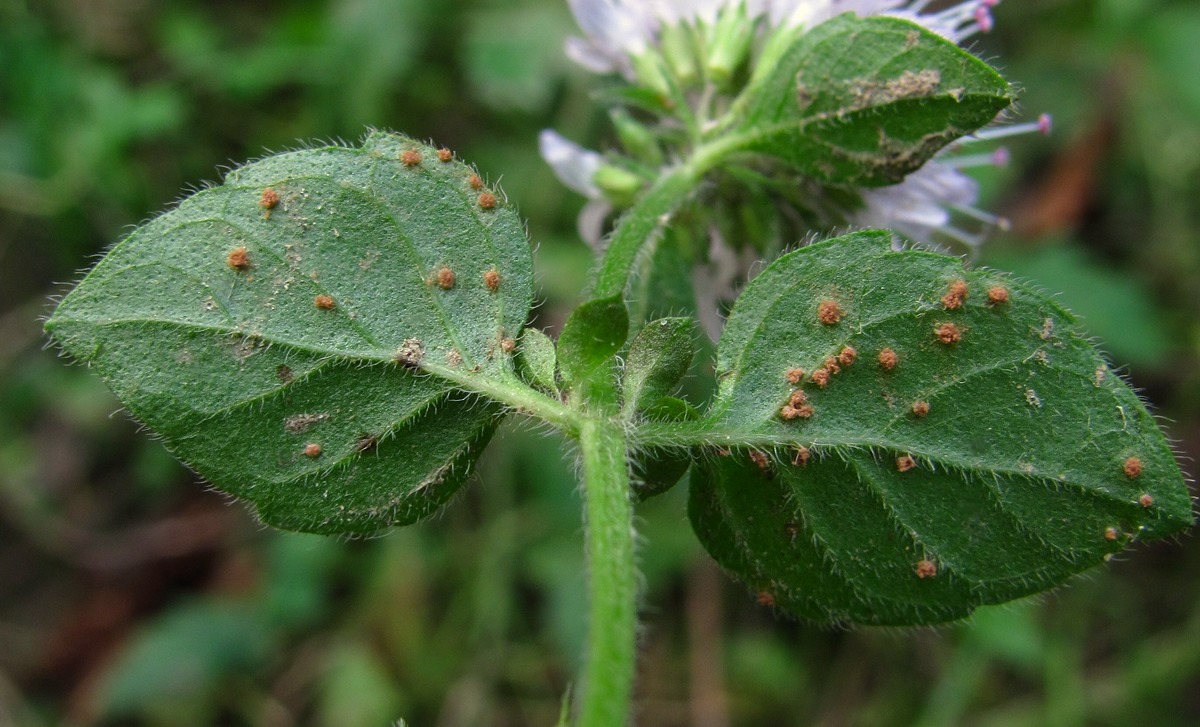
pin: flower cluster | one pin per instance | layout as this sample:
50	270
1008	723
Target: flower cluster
697	54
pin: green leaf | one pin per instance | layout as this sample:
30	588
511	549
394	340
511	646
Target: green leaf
659	356
538	358
865	101
657	469
592	335
375	267
968	446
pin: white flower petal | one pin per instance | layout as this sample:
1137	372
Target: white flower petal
572	164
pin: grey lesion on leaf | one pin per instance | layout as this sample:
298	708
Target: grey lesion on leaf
301	423
867	93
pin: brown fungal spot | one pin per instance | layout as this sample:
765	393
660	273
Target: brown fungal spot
284	373
410	353
760	460
802	456
789	412
997	295
798	397
475	182
491	280
829	312
445	155
765	598
848	355
831	365
269	199
888	359
1132	468
312	450
948	333
454	358
445	278
410	157
238	259
366	443
820	377
956	295
487	201
792	530
920	408
1146	500
926	569
324	302
905	463
1111	533
794	376
508	345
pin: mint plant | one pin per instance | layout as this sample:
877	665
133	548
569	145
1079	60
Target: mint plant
895	438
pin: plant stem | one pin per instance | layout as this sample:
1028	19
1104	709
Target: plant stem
652	212
612	627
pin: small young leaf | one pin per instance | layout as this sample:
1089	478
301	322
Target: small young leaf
538	358
906	440
593	334
656	470
658	358
865	101
276	330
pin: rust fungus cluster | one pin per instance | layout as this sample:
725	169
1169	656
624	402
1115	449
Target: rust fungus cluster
920	409
888	359
926	569
829	313
475	182
1132	468
948	333
445	278
410	158
803	455
491	280
324	302
238	258
904	463
487	201
956	295
312	450
445	156
997	295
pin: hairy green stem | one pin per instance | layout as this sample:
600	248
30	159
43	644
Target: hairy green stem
647	218
612	628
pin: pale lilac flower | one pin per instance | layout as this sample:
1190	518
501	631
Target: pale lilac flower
574	166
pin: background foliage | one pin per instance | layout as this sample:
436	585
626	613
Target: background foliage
130	594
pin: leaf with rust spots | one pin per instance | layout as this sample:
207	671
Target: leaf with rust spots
1002	480
865	101
361	227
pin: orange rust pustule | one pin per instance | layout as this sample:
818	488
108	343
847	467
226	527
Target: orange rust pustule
997	295
508	345
920	409
487	201
802	456
1111	533
1132	468
238	258
789	412
926	569
475	182
956	295
765	599
312	450
905	463
760	460
948	333
798	397
445	156
446	278
794	376
1146	500
829	313
324	302
888	359
831	365
820	377
410	157
491	280
269	199
848	355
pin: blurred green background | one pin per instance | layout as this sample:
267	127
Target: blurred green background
131	594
